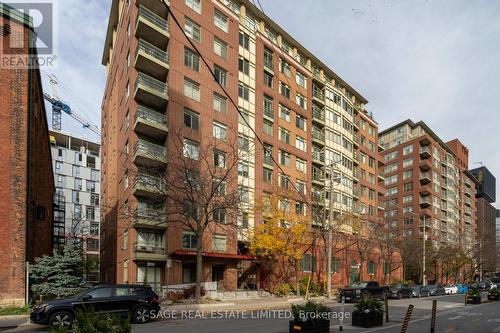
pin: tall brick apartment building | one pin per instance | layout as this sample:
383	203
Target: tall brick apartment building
426	181
25	164
303	112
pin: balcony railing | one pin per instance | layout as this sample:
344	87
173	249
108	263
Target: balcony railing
152	51
318	156
152	83
150	151
319	94
425	151
318	135
145	183
318	114
150	115
146	251
151	17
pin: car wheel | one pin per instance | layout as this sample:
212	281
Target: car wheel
62	319
141	315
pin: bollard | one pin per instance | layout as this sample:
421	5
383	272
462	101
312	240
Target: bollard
386	309
433	320
404	328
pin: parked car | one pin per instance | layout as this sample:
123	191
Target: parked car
360	289
450	289
420	291
399	291
137	301
435	290
496	282
484	285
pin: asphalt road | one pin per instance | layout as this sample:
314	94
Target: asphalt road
452	316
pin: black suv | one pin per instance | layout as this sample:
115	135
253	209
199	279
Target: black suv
138	301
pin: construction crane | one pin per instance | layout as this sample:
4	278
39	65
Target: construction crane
58	106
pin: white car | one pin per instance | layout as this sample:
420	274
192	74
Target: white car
450	289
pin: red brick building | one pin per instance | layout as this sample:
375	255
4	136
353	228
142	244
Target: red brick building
26	168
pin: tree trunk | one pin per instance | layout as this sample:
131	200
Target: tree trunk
297	278
199	266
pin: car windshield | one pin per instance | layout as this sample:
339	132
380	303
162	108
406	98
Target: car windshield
359	284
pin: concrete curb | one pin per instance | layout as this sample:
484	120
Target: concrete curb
14	317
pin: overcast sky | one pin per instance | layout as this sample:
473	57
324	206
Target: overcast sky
430	60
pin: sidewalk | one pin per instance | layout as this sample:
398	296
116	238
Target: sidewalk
14	321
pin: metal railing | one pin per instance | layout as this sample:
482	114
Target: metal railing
149	248
150	82
318	135
152	50
150	149
151	17
319	94
425	175
318	114
425	150
318	156
149	181
150	115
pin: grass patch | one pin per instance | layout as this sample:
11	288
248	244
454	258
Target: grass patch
15	311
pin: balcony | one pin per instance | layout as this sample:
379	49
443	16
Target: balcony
425	152
425	202
318	115
152	28
355	159
317	77
356	140
146	185
355	122
150	91
317	177
151	60
425	190
318	156
381	177
150	123
425	141
380	148
149	252
155	6
149	154
425	165
318	136
318	95
425	178
154	218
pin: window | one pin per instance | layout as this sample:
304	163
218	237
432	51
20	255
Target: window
191	149
391	191
407	187
407	210
191	59
94	199
243	143
300	165
300	143
408	162
90	213
219	187
243	169
387	268
244	194
391	168
219	243
268	80
220	103
244	40
243	117
407	174
284	135
243	219
308	263
284	181
221	21
301	101
220	48
220	215
194	5
189	240
285	90
220	75
300	79
191	119
78	184
301	186
408	150
192	30
285	68
407	199
391	156
219	131
300	208
219	159
94	175
300	122
100	293
127	120
285	113
268	58
267	127
125	180
192	89
391	180
78	158
268	175
244	91
284	158
90	186
76	196
371	267
244	66
268	107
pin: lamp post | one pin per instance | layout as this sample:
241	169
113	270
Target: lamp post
329	241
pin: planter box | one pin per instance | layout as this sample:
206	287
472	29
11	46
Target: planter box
494	297
317	326
367	320
474	300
